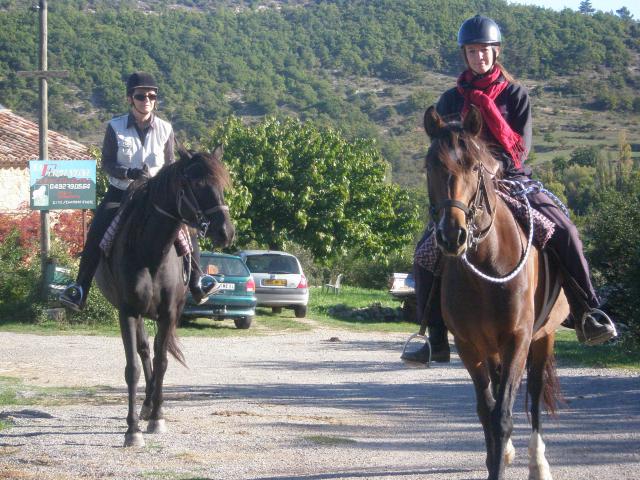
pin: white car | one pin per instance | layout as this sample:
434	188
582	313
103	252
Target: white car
280	282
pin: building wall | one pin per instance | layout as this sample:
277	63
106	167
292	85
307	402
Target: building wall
14	188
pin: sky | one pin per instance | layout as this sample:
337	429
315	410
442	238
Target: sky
605	5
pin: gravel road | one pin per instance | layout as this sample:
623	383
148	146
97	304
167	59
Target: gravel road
320	405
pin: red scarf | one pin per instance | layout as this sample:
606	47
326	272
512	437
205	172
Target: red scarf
481	92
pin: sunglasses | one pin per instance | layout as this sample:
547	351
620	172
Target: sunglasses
141	96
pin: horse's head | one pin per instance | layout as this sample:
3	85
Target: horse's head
201	197
458	165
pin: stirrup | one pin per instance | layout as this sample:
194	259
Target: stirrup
208	284
72	297
600	317
428	343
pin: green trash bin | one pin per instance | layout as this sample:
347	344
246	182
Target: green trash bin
56	279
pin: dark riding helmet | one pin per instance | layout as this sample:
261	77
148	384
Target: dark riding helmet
141	80
479	29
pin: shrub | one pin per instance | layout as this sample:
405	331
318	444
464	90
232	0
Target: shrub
20	269
19	280
615	253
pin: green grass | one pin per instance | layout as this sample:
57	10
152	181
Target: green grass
14	392
618	355
329	440
321	306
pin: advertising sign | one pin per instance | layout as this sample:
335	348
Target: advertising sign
62	184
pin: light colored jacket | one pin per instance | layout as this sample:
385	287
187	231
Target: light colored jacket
133	154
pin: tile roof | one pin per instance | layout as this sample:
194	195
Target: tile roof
19	142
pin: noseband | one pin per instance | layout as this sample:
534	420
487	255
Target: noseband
471	212
199	217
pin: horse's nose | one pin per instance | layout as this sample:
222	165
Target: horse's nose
452	239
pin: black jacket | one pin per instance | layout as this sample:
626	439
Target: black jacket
514	105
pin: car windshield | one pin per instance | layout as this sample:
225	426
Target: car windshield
272	264
232	267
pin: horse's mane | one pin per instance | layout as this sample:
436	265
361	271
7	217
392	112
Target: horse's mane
458	151
138	203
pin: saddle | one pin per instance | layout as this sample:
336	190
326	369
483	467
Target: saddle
182	243
428	254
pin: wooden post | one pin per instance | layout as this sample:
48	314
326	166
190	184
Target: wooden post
42	74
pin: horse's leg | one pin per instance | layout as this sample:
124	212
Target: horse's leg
493	362
485	401
156	418
541	352
145	356
128	327
514	357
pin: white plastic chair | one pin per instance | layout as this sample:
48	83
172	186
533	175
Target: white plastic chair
335	286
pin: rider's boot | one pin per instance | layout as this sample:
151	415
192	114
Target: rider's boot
202	286
592	332
437	349
592	325
73	297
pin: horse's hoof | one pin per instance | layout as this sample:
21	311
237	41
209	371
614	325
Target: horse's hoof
157	426
133	439
145	412
509	453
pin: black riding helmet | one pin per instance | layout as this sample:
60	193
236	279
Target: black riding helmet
479	29
141	80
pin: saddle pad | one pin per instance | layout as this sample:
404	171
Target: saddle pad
182	242
428	254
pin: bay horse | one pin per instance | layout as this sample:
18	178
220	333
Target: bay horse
500	327
143	276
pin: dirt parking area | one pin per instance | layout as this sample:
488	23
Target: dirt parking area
320	405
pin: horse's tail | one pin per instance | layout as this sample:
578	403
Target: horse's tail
173	345
551	393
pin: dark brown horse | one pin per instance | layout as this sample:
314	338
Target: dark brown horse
143	276
493	289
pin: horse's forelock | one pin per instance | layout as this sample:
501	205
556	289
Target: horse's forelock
458	151
216	170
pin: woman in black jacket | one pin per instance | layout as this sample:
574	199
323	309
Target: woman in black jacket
506	113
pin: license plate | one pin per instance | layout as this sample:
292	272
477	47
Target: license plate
274	282
227	286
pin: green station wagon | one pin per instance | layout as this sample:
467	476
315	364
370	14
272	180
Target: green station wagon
235	299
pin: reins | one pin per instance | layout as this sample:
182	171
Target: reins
200	221
523	192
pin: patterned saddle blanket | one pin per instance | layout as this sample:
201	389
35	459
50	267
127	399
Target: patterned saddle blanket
182	243
427	254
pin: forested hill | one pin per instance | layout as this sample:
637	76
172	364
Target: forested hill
369	67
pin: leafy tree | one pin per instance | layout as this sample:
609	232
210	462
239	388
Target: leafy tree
308	185
615	251
580	187
585	156
624	13
586	8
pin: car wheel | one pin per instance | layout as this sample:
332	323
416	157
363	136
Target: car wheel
243	322
276	309
300	311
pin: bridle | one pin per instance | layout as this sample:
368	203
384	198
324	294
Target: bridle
473	211
189	210
476	236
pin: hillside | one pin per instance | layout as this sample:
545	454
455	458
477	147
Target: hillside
369	68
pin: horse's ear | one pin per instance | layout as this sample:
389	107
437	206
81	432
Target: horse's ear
217	153
472	123
183	152
433	123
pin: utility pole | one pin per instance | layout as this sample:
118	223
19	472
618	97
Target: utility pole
43	74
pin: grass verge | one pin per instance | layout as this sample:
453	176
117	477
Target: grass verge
323	312
614	355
